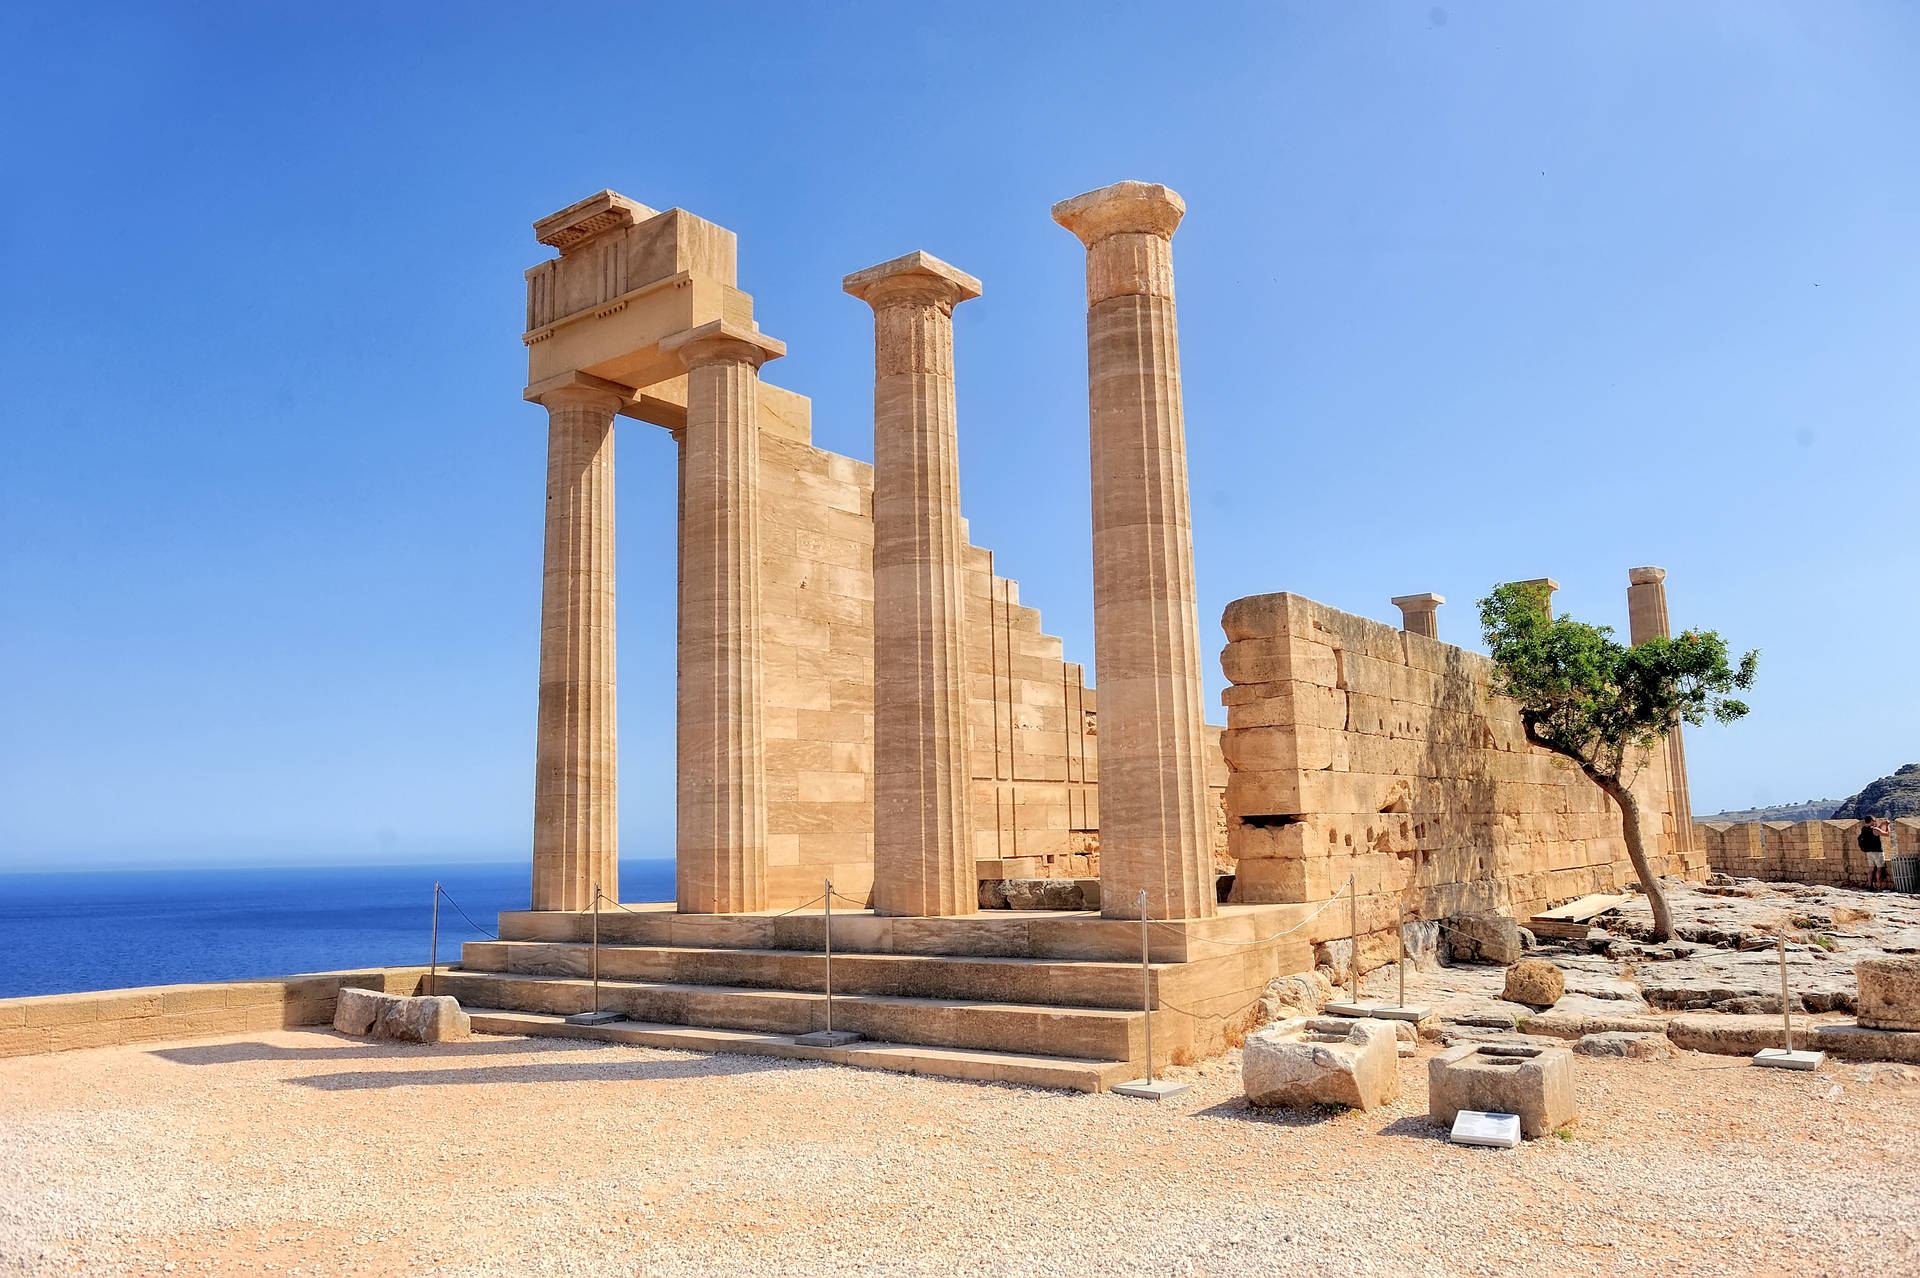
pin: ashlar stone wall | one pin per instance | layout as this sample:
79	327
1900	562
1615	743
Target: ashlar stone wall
1357	748
1825	852
1033	719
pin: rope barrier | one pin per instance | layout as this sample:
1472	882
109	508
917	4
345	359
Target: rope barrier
491	936
1207	940
781	915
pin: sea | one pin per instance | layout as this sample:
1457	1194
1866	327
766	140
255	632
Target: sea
111	929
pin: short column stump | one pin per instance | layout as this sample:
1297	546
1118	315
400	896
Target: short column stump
1534	1082
1321	1060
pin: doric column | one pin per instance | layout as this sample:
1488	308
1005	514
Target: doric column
922	828
1417	614
1156	832
1548	588
1647	619
576	829
721	796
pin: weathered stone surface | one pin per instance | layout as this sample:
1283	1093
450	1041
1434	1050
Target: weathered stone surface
1560	1023
1636	1046
355	1011
1728	1035
1535	982
1889	995
410	1020
1321	1061
1534	1082
1490	938
1301	995
1864	1043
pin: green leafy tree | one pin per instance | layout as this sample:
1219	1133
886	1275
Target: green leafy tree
1604	704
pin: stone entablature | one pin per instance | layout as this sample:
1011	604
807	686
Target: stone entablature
1826	852
1357	748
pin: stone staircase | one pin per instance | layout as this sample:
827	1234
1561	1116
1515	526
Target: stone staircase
1044	998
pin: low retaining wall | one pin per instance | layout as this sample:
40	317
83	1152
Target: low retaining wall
1825	852
157	1013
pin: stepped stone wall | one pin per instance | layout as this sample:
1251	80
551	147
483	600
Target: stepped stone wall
1826	852
161	1013
1357	748
1033	719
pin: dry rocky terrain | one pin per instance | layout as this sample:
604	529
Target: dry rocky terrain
310	1153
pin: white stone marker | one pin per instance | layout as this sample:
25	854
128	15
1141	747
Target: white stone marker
1496	1131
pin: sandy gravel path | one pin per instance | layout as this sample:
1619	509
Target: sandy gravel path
303	1152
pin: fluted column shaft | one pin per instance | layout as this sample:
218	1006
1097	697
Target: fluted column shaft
1155	828
1647	619
576	834
721	797
923	861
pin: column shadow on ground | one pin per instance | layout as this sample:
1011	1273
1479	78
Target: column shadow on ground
715	1066
343	1047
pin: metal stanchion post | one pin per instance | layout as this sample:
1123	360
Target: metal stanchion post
1787	1058
1353	941
1146	1087
433	960
596	1016
828	1037
1403	954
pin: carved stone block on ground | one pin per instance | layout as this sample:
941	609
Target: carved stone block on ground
1535	982
1483	939
1534	1082
1322	1061
1889	993
407	1020
1635	1046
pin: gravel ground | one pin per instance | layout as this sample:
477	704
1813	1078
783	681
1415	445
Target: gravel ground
305	1152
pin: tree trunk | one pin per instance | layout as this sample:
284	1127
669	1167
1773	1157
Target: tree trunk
1637	853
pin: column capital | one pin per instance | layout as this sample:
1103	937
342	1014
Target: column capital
916	279
1646	576
722	342
1418	602
1141	208
579	388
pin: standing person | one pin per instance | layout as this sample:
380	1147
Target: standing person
1870	842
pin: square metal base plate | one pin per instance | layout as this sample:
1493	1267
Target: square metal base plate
828	1038
1159	1089
595	1018
1781	1058
1379	1011
1496	1131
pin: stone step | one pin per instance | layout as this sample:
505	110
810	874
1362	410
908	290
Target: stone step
908	1058
1100	1034
1034	934
1049	982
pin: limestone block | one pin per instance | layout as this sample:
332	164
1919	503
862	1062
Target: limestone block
1634	1046
1485	939
1309	1061
406	1019
1889	993
1534	1082
1535	982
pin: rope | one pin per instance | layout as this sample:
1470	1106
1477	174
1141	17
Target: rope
781	915
491	936
858	905
1262	940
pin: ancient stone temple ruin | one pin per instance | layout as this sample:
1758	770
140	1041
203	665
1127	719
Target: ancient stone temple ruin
863	699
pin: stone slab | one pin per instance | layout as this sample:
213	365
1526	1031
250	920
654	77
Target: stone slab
1159	1089
1379	1011
1494	1131
1781	1058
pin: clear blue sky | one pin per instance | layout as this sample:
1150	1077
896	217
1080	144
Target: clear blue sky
1468	293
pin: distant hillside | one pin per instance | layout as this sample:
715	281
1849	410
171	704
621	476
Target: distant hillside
1894	796
1811	810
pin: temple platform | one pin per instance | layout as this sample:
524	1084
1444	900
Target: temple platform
1049	998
